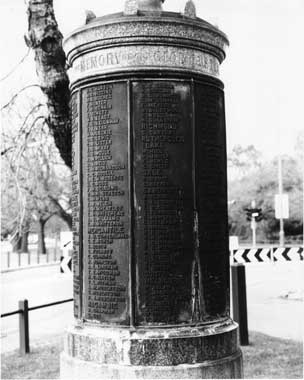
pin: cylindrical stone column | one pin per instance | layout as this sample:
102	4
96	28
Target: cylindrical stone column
151	258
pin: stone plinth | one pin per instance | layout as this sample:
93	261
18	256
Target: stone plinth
195	353
151	258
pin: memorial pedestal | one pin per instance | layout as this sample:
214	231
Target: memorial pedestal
151	257
167	353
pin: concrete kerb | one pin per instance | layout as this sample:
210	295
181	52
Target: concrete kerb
31	267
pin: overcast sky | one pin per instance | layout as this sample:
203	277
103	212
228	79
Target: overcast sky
263	71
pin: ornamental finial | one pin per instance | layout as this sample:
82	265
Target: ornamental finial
190	10
132	6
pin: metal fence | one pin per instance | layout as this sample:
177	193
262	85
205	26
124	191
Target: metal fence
55	248
23	311
11	260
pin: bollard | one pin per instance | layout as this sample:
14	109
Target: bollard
38	257
47	255
8	259
29	258
24	337
239	301
19	258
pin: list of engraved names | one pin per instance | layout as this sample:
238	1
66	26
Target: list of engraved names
165	147
107	227
75	203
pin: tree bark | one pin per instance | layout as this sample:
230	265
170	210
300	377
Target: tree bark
45	39
41	236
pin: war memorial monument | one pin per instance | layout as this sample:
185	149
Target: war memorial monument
151	257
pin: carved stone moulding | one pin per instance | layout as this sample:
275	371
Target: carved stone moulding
140	57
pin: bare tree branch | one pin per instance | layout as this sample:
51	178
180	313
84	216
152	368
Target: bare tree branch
6	150
14	68
33	110
14	97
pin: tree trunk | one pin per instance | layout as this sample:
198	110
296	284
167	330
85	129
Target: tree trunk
65	216
68	220
45	39
41	237
16	243
24	242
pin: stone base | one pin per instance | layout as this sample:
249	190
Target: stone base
197	352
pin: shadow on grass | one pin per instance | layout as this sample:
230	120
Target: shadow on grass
265	358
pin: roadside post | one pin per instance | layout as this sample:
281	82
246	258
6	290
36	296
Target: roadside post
254	215
24	337
239	301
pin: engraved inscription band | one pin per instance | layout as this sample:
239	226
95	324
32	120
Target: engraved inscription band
144	57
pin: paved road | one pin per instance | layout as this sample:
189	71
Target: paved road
267	312
275	299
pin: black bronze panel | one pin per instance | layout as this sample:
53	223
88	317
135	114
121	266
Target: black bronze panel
106	202
163	200
211	189
76	205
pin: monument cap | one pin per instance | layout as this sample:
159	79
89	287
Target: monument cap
144	37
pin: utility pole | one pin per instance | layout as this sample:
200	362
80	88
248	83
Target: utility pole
280	178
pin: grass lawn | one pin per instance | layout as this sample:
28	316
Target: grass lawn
265	357
272	358
41	363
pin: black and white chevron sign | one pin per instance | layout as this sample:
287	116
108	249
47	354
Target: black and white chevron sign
256	255
251	255
65	264
288	254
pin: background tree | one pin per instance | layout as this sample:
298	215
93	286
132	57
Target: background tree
261	185
36	181
48	186
243	160
19	118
